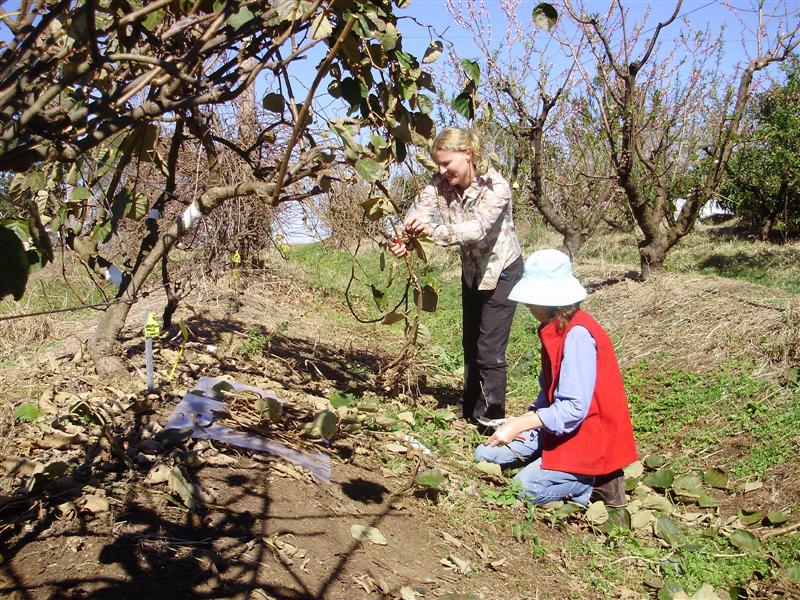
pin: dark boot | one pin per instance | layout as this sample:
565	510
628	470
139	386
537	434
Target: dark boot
610	489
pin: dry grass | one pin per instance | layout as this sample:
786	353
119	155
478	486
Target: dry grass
696	323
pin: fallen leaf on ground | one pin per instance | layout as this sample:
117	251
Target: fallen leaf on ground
406	593
66	511
57	440
366	533
158	474
17	465
456	563
94	504
451	540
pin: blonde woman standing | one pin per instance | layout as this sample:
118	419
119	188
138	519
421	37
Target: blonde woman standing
470	207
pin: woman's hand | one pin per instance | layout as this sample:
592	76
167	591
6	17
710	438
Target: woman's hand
416	227
505	434
399	247
511	429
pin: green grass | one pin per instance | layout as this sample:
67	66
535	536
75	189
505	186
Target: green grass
677	409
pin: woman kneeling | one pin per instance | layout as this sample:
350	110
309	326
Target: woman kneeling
577	436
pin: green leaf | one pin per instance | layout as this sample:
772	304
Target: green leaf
408	89
659	503
174	437
660	480
139	207
545	16
153	20
323	425
432	479
179	484
716	478
274	102
652	580
654	461
388	38
793	571
618	518
34	180
565	511
777	517
244	15
378	141
80	193
269	408
671	591
471	69
392	318
750	517
424	103
667	530
688	488
321	27
706	501
464	106
423	335
406	60
26	412
376	207
433	52
369	169
596	513
744	540
338	399
656	502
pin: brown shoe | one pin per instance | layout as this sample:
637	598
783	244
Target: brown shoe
610	489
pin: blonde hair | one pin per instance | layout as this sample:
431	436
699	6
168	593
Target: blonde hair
455	139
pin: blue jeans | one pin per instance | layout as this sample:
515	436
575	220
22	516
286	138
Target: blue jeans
538	485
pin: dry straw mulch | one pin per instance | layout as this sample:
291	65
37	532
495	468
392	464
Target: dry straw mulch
698	323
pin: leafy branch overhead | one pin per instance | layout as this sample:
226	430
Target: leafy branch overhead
117	114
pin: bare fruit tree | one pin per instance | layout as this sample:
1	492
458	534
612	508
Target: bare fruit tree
528	69
668	113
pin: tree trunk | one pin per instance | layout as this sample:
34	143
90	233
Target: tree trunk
652	254
572	242
103	347
766	227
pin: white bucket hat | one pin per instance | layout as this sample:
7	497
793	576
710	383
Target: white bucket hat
548	281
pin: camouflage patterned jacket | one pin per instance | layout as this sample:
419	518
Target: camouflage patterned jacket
479	222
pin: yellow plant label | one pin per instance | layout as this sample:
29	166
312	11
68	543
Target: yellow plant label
237	258
151	327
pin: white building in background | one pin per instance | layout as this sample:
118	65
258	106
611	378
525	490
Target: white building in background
712	208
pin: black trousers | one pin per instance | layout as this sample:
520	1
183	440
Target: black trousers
487	318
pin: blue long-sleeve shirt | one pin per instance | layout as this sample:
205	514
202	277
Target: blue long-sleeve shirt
573	393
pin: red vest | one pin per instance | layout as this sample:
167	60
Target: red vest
603	442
